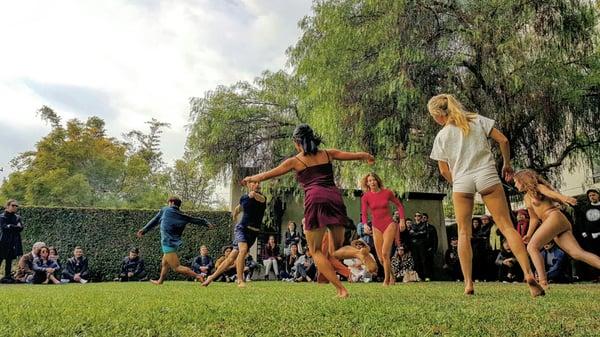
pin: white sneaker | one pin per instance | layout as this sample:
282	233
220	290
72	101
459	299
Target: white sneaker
82	281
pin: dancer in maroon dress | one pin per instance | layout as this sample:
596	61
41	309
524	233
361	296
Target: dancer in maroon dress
323	204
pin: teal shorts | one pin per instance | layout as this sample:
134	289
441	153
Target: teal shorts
169	249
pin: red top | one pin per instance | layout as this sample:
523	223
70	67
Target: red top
378	203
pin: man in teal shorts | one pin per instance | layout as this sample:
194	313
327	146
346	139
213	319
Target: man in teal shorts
172	223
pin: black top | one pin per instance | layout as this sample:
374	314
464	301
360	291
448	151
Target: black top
11	226
254	211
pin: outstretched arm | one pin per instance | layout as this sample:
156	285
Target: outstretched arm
556	196
283	168
342	155
151	224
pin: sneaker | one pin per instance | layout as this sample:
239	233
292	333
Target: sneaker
82	281
427	279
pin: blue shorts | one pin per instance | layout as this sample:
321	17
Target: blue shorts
168	249
242	233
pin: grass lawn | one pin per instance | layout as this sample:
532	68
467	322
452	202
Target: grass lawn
298	309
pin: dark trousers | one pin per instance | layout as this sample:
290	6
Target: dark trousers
139	277
7	267
419	253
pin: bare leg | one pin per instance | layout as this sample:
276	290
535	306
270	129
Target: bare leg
164	270
383	246
495	200
544	234
53	279
314	238
240	261
569	244
223	267
349	252
463	209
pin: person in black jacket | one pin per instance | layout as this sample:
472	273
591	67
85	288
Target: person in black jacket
132	267
11	246
431	247
203	264
418	243
293	235
76	268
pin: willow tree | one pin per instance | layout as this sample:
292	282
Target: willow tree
369	67
245	124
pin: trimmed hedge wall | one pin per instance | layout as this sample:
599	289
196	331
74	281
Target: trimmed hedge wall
106	235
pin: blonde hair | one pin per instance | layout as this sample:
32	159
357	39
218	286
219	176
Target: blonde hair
363	181
448	106
530	180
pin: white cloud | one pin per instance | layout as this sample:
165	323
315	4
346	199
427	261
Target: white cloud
130	61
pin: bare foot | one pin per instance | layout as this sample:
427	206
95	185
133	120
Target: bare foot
544	284
207	282
342	293
200	278
241	284
156	282
368	260
469	291
534	288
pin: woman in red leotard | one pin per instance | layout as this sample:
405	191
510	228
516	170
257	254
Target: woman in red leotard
376	199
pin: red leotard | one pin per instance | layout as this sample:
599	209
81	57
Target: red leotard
378	203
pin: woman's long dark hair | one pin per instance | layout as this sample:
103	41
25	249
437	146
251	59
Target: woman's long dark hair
305	137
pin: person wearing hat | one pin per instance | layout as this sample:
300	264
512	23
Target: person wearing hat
132	267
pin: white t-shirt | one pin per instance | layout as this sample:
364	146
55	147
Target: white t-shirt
465	154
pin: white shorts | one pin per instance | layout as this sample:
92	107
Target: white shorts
476	181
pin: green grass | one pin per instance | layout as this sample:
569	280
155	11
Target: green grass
284	309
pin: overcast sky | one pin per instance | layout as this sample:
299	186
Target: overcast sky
130	61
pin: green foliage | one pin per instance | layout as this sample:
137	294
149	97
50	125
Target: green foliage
107	235
301	309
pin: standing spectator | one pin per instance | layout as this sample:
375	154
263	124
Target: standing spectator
419	244
404	266
452	262
305	268
290	263
25	270
479	244
432	244
44	268
509	270
11	247
203	264
76	269
494	247
590	230
132	267
522	222
293	236
250	266
556	263
271	257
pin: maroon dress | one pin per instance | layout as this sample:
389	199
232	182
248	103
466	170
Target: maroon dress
323	203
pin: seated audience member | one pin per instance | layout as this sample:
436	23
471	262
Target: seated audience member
132	267
556	263
403	266
76	268
522	222
271	257
358	271
203	264
44	268
508	267
25	270
229	274
305	268
289	264
54	255
249	267
452	263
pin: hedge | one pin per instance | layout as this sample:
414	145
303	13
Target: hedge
106	235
